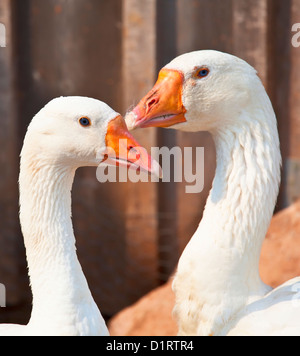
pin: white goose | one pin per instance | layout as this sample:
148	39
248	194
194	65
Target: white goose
68	133
217	285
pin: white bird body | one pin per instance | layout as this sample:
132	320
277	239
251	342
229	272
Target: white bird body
217	285
274	314
55	145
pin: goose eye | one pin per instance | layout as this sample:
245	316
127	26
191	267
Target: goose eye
202	72
85	121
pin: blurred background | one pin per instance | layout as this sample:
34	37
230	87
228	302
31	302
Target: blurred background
130	236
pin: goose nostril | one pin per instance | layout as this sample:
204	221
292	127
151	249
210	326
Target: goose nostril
151	103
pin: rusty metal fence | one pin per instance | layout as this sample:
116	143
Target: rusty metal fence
130	236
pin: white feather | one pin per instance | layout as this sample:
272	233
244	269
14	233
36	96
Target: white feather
217	285
54	147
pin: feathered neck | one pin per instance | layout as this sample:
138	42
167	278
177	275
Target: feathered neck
218	272
246	182
62	302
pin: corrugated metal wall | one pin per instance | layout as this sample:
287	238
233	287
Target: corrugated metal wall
129	236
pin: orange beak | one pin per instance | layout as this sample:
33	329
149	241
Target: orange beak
123	150
162	106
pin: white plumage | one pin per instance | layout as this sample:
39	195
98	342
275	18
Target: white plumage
217	285
58	142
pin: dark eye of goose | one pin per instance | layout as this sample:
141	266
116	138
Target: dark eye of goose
202	72
85	121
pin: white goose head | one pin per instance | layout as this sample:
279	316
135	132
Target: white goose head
198	91
80	131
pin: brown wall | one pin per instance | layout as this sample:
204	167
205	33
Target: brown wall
129	236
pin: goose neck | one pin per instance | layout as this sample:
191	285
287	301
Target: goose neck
60	290
218	272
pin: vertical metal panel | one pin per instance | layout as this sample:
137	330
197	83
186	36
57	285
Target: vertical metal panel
250	28
292	164
295	86
166	50
204	24
10	237
139	51
279	78
13	273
